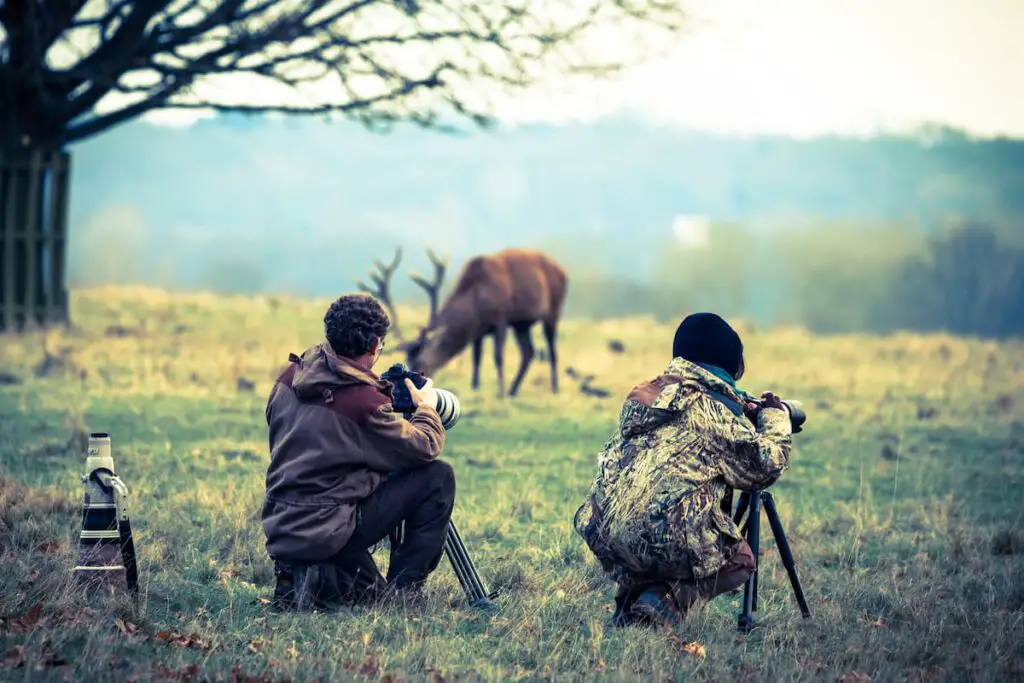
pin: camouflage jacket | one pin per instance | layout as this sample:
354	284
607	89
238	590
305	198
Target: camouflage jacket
655	507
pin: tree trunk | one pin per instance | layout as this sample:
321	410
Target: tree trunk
33	216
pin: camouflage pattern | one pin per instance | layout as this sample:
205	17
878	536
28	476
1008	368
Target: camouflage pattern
655	508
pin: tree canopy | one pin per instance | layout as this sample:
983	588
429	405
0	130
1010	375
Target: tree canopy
70	69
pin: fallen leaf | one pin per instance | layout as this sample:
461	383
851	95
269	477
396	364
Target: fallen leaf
695	649
691	648
47	547
183	674
50	660
263	601
14	658
29	620
371	665
854	677
126	627
179	640
81	617
932	673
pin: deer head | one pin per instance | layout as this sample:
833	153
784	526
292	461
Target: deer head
414	349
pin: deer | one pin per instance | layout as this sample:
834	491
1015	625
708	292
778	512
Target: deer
514	288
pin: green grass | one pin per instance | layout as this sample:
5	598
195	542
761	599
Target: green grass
903	505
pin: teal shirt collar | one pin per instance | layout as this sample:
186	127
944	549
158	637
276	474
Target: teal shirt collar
719	373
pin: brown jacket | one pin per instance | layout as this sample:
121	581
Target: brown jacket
333	439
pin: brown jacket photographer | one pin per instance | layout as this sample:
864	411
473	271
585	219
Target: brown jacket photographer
346	470
333	438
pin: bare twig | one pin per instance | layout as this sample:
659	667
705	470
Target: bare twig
374	61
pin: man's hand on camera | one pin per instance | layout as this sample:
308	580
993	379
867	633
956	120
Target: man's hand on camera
768	400
425	395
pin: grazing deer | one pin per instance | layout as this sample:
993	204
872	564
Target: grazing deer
514	288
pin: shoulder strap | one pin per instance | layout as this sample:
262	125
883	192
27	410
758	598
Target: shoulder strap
728	402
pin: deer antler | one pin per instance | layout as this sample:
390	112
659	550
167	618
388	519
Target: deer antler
432	288
382	288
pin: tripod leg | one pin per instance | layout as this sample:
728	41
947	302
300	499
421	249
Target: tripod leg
485	597
746	620
757	548
474	578
727	501
458	564
787	556
464	569
741	507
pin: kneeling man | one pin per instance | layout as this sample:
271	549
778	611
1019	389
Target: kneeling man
654	517
346	470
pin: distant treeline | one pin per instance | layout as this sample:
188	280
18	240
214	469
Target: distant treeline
967	279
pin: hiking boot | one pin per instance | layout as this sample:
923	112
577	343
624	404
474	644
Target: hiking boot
283	599
623	617
657	609
408	595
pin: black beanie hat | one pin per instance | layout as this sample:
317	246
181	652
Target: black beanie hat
706	338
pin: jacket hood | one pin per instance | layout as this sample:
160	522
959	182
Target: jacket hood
653	403
321	372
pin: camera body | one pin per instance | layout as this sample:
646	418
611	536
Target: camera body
447	405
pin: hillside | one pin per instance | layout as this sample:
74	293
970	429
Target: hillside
302	205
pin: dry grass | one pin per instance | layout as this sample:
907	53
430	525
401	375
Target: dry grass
903	506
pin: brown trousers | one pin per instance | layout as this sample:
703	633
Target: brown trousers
684	594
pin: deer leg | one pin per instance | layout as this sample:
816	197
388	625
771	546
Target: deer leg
478	348
550	334
500	332
522	331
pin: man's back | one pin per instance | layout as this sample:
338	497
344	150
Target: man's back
333	438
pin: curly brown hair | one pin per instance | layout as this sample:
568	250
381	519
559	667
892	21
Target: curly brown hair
352	324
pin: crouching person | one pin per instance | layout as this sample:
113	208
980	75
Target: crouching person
654	517
346	471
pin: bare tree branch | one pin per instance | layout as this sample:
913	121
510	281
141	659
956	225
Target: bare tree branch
87	65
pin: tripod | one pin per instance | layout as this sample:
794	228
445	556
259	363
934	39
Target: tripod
752	502
465	570
462	565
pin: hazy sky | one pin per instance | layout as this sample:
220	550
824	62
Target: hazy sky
804	67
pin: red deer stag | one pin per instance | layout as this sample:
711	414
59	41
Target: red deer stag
514	288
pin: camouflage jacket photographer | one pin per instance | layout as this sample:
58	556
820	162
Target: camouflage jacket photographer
654	510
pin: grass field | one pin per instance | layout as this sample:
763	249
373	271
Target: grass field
903	505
